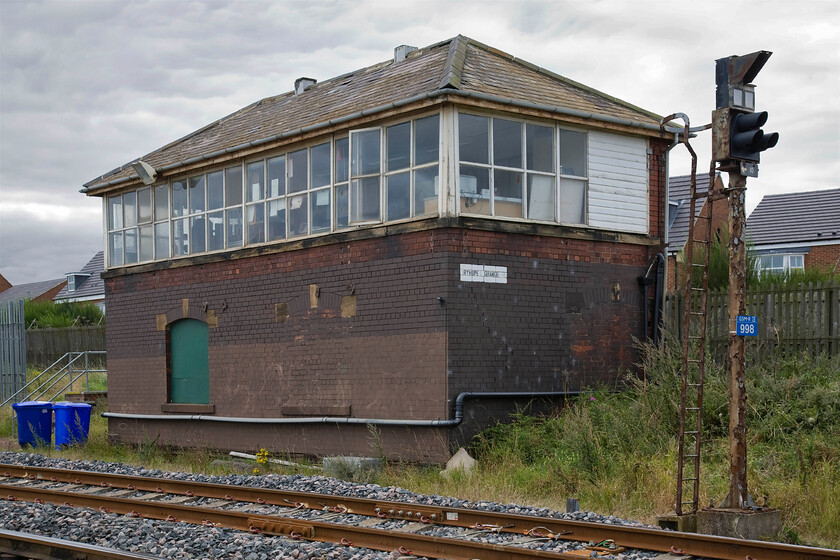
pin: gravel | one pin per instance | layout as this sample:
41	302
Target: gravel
178	540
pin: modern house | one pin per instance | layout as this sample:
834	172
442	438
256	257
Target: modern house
394	256
796	231
37	291
679	216
86	285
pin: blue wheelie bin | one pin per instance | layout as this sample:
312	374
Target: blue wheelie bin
34	420
72	422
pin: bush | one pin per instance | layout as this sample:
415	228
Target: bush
50	315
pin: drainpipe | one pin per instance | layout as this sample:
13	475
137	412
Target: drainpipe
459	413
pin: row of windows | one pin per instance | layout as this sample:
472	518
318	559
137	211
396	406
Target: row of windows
327	187
507	168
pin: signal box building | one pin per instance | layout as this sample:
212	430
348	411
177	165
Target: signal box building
389	258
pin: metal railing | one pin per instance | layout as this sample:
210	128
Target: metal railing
77	365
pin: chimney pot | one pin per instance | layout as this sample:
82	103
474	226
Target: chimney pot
302	84
401	52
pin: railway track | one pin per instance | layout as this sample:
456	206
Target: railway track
410	529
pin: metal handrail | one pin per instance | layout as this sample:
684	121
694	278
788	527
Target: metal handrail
55	378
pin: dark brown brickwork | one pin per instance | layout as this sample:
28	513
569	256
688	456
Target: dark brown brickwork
564	320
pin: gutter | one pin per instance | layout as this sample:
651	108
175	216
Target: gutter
382	108
459	414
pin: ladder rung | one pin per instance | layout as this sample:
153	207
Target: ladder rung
689	456
689	478
695	384
699	265
697	290
691	408
691	432
700	313
688	503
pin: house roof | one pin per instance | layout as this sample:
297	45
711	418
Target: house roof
93	287
457	67
31	290
801	217
679	191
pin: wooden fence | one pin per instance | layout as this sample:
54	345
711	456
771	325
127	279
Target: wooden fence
44	346
791	320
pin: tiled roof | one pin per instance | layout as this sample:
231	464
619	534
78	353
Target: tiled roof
679	191
93	286
31	290
459	66
812	216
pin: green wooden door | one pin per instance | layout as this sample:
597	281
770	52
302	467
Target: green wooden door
190	365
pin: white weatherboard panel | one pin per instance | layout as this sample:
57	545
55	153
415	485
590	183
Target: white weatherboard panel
618	182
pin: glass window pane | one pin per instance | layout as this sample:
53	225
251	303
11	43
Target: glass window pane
215	190
277	219
233	187
298	219
115	212
162	240
198	242
366	152
130	209
342	207
426	139
320	201
342	162
179	198
179	237
298	180
475	189
161	203
426	191
255	187
131	250
364	200
215	231
398	146
277	176
797	262
507	189
572	153
541	201
572	201
115	249
539	145
398	197
319	158
256	223
144	206
507	143
233	221
147	243
196	194
473	138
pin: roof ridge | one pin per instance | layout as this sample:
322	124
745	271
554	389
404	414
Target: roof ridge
561	78
454	66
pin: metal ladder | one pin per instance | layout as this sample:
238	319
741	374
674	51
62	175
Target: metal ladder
694	349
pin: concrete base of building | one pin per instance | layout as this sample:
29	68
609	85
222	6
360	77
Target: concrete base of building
741	524
686	523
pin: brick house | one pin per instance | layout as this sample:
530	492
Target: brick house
43	290
796	231
391	257
679	211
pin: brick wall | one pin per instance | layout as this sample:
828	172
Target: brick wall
824	257
564	320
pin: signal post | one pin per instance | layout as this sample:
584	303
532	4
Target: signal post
737	142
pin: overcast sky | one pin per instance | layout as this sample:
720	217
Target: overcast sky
88	86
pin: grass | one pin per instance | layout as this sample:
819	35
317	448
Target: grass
615	452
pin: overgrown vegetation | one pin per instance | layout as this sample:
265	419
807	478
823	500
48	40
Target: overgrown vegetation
616	452
719	269
51	315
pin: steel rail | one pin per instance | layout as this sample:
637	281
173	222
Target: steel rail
29	545
709	546
301	529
